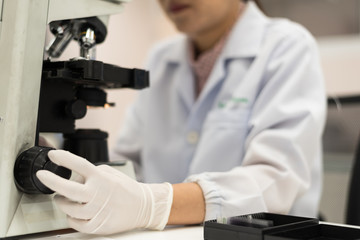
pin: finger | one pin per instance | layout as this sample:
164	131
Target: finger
79	225
77	178
108	169
84	226
72	162
75	209
113	171
70	189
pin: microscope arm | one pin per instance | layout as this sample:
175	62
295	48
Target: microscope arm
22	33
71	9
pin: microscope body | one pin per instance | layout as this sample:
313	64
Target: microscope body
23	26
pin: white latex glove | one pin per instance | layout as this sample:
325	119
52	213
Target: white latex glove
106	201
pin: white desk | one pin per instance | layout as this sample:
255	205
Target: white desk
170	233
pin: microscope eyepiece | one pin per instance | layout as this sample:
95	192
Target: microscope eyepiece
87	31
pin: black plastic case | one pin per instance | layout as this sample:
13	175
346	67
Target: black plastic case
317	232
249	228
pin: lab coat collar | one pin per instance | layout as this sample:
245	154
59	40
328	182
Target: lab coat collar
244	42
180	53
247	33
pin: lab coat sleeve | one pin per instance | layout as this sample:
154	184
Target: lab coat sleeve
283	140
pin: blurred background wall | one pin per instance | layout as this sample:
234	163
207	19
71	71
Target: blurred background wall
334	23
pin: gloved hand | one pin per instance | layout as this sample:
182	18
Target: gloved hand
104	200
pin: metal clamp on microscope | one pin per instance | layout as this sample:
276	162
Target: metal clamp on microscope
68	88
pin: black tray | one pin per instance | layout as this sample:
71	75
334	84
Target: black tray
254	226
317	232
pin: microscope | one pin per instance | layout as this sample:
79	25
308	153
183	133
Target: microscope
39	95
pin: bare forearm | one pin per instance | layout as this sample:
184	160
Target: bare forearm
188	204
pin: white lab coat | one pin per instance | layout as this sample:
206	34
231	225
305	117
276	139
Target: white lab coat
252	139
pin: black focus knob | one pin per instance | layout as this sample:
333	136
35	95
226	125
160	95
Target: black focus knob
31	161
76	109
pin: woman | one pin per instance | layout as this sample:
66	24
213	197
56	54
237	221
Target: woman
233	120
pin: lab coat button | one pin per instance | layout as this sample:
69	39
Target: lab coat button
192	137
